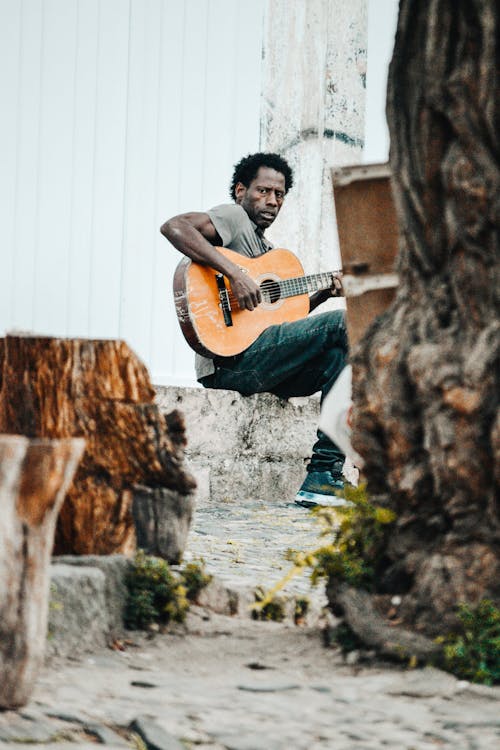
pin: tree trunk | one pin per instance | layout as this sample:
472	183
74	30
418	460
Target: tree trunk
426	418
34	477
101	391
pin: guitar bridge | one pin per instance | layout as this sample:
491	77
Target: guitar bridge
224	302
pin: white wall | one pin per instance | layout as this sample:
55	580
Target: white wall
116	115
313	113
382	20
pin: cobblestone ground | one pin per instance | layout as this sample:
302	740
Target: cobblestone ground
230	683
245	546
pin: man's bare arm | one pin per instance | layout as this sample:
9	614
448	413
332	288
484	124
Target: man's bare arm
195	235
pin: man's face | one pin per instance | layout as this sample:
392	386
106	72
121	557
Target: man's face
263	198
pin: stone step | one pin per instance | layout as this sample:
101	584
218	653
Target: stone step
88	597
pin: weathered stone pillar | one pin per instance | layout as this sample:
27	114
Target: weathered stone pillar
313	101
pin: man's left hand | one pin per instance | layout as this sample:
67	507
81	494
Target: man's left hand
336	289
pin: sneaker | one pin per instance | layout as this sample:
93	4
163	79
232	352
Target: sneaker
321	488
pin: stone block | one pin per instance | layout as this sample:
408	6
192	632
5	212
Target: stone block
78	618
224	422
244	448
113	568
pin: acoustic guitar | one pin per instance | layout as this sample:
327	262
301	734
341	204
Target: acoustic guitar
209	315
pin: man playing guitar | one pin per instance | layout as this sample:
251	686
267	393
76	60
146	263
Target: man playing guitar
289	359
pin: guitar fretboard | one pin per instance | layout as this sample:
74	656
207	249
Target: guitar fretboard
273	290
306	284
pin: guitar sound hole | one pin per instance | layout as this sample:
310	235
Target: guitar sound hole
270	290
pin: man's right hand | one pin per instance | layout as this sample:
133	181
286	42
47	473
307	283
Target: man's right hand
245	290
195	235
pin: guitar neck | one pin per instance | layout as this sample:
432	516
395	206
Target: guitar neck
306	284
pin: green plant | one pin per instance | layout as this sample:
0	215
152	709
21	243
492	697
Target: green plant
357	539
194	578
473	653
358	534
268	607
155	594
302	604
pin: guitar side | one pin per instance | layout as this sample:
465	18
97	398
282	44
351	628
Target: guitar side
197	303
183	308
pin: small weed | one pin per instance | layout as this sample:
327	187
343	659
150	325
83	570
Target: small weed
194	578
156	595
358	534
302	604
473	653
344	637
268	607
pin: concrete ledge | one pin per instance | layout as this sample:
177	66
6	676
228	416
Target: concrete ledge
244	448
87	602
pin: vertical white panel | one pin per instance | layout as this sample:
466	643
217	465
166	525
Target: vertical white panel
109	168
193	104
165	334
83	167
10	31
55	170
382	22
26	214
222	75
140	223
247	94
192	143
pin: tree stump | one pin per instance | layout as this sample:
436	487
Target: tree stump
34	478
426	375
101	391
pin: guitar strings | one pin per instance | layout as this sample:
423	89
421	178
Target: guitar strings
272	289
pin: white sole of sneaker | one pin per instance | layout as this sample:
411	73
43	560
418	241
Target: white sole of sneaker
312	500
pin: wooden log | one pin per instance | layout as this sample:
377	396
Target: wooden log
99	390
34	478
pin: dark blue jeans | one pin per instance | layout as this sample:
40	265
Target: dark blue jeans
291	359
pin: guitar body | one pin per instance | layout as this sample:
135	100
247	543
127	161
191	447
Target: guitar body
199	311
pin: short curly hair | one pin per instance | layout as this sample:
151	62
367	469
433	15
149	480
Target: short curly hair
246	170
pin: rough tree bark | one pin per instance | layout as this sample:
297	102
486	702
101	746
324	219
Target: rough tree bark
426	417
34	477
101	391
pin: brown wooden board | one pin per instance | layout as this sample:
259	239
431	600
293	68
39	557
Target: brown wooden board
368	237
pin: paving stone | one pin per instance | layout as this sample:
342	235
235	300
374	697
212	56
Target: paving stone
268	688
63	746
28	730
106	736
424	683
154	736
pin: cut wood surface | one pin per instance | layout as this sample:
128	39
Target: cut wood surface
34	478
99	390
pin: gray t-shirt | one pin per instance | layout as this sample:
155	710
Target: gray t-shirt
239	233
